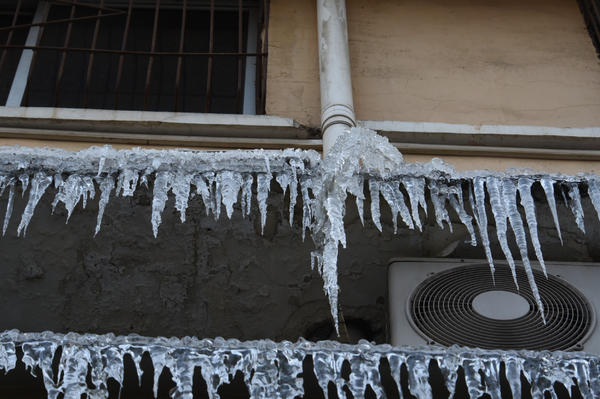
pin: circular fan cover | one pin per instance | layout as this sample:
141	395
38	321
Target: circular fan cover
442	310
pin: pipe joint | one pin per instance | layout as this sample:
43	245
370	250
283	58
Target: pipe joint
337	114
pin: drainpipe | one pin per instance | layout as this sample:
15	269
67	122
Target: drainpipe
337	108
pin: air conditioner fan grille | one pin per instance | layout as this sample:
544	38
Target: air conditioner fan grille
441	309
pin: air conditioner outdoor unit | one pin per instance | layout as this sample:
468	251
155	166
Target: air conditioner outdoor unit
456	301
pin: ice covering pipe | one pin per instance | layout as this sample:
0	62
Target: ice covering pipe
337	108
274	369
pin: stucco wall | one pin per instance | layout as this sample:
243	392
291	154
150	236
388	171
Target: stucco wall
499	62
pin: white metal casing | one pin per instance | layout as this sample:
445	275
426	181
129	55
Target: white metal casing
405	274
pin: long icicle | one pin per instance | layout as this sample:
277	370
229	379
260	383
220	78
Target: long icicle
482	220
107	184
493	185
509	192
524	186
9	206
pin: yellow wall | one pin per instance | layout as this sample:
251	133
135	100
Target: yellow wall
517	62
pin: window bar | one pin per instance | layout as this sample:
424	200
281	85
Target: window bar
259	57
151	60
250	73
263	52
64	20
122	56
61	68
180	59
88	78
10	34
210	60
238	94
139	53
23	72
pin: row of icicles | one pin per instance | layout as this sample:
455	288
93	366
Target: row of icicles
362	159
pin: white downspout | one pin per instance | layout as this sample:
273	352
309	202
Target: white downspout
337	108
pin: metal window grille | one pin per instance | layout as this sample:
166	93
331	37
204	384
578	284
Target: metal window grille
156	55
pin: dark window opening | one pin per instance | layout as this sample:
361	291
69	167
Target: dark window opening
591	15
154	55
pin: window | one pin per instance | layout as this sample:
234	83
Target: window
155	55
591	14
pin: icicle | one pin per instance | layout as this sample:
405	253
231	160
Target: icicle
364	371
471	368
9	206
356	187
229	184
328	368
127	182
491	372
415	187
594	193
395	199
305	185
529	207
247	194
8	356
204	190
24	179
88	190
548	185
162	185
513	367
284	179
263	185
39	184
40	354
107	184
329	274
71	192
374	189
101	163
509	193
396	360
181	189
439	205
478	205
455	198
448	364
494	190
418	376
575	205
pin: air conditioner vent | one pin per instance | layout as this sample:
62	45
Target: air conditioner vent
456	306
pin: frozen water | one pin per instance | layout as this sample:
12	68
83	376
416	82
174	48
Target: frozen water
524	185
548	185
274	370
480	214
39	184
574	203
494	189
360	161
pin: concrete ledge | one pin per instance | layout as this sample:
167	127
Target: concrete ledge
534	137
107	123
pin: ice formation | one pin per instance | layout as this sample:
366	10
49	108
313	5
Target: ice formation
85	364
359	162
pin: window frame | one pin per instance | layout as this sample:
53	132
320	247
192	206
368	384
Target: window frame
253	71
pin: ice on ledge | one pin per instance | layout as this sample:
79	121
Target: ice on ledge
360	161
274	369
